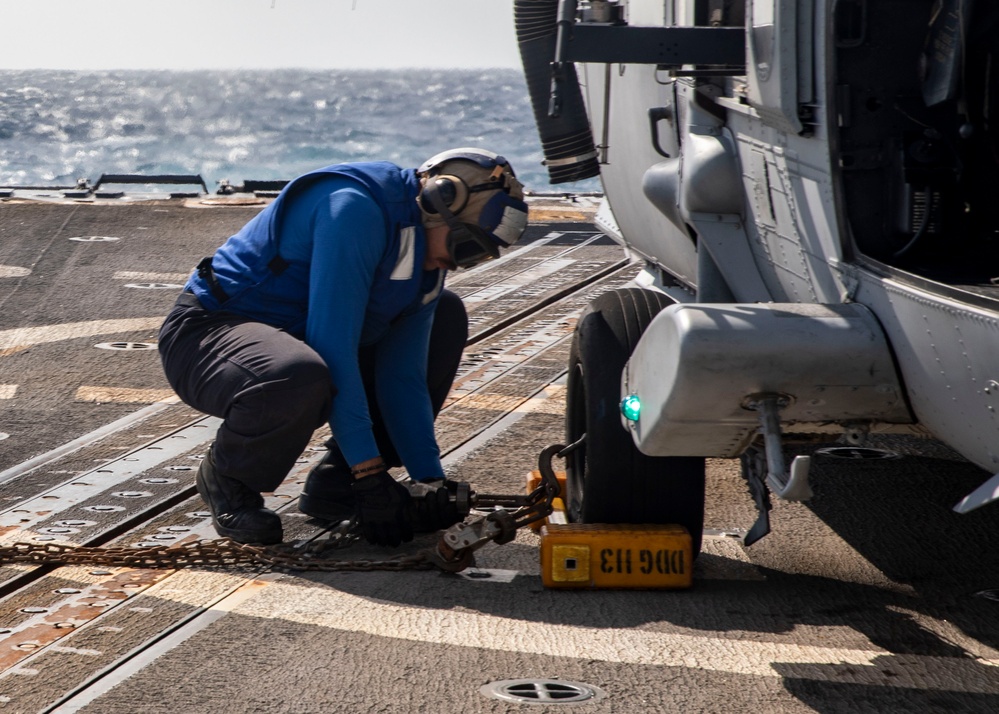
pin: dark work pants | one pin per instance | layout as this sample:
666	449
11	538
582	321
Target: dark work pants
272	390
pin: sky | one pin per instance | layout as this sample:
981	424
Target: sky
252	34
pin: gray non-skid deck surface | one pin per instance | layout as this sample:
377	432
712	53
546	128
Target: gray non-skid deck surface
76	295
848	606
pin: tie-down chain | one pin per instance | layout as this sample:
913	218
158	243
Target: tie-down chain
453	552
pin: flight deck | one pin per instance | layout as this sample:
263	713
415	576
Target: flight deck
97	452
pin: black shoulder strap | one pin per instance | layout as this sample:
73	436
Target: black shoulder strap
278	265
206	273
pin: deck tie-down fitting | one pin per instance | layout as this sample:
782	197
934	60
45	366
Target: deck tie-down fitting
788	484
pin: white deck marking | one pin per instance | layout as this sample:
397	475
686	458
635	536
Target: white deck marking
120	395
871	667
151	277
18	520
187	628
21	337
87	439
526	277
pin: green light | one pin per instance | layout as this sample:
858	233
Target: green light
631	407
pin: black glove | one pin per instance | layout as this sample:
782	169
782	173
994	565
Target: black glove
384	509
435	505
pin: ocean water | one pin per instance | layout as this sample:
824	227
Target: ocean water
57	126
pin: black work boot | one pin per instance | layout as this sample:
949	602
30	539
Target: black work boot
237	511
327	495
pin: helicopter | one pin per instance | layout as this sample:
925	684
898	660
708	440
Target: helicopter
810	187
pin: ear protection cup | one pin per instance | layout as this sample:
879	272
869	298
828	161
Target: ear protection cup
468	244
450	190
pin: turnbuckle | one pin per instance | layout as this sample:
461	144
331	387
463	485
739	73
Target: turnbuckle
457	545
456	548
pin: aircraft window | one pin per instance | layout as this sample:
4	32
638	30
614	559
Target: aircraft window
919	161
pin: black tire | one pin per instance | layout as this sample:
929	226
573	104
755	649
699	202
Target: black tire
608	479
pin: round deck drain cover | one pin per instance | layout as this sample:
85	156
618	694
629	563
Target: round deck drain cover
541	691
154	286
857	453
132	494
126	346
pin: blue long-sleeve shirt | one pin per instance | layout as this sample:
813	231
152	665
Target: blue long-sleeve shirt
336	242
337	324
